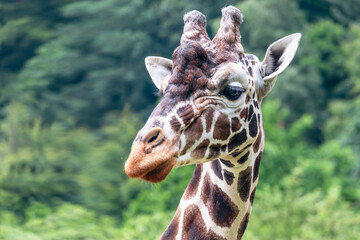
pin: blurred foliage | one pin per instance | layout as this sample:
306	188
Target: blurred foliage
67	221
74	91
64	163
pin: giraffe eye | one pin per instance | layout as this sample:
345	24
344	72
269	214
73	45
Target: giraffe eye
232	92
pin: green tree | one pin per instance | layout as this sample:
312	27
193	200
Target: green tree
344	124
24	26
60	162
39	163
328	56
67	221
345	11
288	213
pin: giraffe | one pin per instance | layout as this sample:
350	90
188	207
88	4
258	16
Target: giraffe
209	115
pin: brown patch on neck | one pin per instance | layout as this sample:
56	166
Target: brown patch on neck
252	196
216	167
227	163
237	152
222	209
253	126
229	177
243	226
244	158
256	144
173	228
257	166
194	226
193	186
237	140
244	183
250	113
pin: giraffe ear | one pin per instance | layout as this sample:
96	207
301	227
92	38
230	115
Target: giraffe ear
278	56
159	69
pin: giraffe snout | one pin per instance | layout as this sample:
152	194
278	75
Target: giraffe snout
152	156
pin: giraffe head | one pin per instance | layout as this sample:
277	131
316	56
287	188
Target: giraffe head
211	99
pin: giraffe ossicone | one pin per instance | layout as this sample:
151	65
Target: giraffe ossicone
209	115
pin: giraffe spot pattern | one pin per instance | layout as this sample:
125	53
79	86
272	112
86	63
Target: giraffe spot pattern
186	113
208	115
221	208
192	134
200	150
235	124
194	182
243	226
257	143
252	196
253	127
229	177
214	151
175	124
244	158
243	114
172	230
227	163
216	167
247	99
251	112
256	104
237	152
237	140
222	127
250	72
194	227
244	183
256	167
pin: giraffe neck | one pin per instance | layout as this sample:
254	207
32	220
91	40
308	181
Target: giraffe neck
218	200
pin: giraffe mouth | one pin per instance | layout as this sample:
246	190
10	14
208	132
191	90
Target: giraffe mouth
160	172
154	165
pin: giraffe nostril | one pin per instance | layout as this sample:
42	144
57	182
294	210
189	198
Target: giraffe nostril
153	138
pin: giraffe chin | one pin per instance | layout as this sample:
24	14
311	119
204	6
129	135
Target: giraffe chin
159	173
